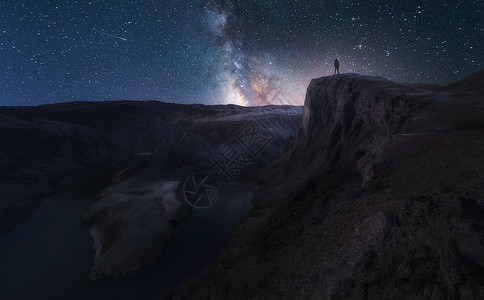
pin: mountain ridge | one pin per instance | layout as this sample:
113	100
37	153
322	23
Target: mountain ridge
377	195
154	145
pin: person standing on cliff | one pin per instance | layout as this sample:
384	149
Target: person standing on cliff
336	66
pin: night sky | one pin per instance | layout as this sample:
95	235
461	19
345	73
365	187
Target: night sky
217	52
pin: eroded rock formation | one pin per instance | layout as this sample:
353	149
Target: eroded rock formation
379	195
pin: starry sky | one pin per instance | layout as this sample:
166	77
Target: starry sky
247	52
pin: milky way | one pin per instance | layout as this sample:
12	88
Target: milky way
244	76
219	52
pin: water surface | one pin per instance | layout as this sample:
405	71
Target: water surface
50	255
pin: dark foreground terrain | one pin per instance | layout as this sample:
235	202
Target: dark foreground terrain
380	195
154	146
373	190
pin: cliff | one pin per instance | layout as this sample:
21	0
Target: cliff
155	146
379	195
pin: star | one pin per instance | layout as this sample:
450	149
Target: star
226	51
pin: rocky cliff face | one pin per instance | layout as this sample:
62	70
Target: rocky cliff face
134	219
379	195
33	155
161	144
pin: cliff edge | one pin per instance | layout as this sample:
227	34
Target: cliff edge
378	195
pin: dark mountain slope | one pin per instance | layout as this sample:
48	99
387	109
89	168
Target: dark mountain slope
378	196
162	144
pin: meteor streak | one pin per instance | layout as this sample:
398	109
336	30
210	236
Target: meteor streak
115	36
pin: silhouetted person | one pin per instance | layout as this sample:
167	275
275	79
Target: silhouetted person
336	66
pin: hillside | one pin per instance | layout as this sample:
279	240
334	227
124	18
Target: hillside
379	195
154	146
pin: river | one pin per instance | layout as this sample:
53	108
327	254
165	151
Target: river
50	255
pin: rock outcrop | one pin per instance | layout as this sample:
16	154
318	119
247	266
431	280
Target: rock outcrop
156	145
133	219
379	195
